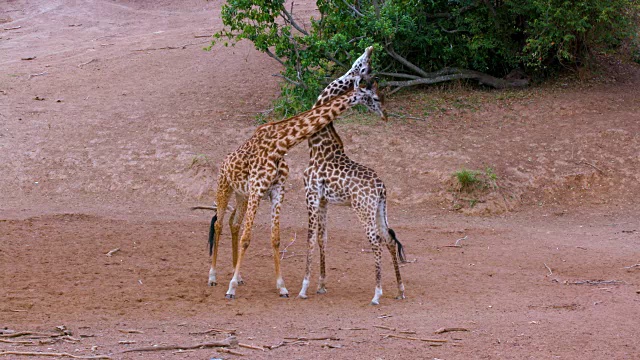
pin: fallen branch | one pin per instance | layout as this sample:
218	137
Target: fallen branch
413	338
20	342
354	329
548	268
13	28
302	338
457	244
444	330
251	346
230	341
111	252
28	333
632	266
130	331
384	327
39	74
596	282
28	353
590	164
229	351
449	74
215	331
86	63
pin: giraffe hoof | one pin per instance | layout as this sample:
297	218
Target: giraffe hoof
212	283
230	296
374	303
321	291
401	297
303	297
284	295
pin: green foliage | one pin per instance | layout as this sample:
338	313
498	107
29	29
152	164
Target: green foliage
470	180
491	36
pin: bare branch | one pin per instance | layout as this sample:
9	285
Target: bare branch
399	75
448	74
356	11
290	20
404	61
296	83
268	52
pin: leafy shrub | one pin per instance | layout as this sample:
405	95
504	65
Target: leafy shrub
415	38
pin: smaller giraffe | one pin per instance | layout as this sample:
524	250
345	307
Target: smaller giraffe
333	178
256	170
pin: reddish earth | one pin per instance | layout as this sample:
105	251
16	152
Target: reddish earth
116	128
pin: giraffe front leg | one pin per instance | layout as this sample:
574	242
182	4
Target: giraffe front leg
312	236
277	195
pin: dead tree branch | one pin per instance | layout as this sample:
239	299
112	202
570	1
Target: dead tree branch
230	341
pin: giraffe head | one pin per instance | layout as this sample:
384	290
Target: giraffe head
361	69
367	95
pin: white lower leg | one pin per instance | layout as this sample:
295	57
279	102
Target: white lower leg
280	285
305	286
376	297
212	277
233	284
400	291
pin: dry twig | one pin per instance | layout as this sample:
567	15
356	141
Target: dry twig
130	331
229	351
111	252
596	282
457	244
251	346
86	63
384	327
214	331
632	266
230	341
58	355
39	74
548	268
445	329
413	338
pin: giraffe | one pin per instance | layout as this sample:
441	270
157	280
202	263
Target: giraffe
256	169
333	178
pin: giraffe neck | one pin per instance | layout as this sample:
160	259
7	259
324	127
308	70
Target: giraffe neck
290	132
327	139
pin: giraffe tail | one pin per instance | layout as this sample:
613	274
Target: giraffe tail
212	233
384	226
401	255
212	230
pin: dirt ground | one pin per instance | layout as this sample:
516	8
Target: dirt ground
116	127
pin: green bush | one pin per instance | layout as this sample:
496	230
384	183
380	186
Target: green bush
414	38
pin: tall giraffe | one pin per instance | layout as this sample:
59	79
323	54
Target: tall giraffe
256	169
333	178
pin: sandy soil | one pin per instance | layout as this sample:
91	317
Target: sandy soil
118	123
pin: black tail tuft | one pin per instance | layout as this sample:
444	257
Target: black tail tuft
212	233
392	233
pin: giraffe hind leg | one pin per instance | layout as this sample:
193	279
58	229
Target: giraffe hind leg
235	222
224	192
312	236
322	245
